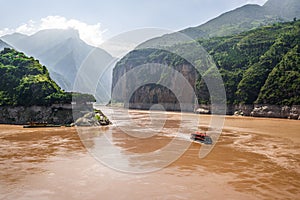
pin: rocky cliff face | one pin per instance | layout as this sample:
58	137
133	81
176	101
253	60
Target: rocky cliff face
259	110
152	84
147	96
55	114
290	112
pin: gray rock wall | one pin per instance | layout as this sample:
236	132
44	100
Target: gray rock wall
164	84
272	111
55	114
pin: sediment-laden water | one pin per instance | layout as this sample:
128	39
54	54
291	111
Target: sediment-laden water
148	155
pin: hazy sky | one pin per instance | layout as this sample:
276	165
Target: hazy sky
110	17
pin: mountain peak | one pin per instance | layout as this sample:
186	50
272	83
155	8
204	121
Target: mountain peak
63	33
13	38
246	18
17	35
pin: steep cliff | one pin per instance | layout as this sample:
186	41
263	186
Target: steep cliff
141	82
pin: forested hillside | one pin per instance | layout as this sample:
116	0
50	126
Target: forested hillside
25	82
249	60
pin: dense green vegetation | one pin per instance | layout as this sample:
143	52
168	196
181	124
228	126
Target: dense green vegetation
258	66
246	61
283	83
25	82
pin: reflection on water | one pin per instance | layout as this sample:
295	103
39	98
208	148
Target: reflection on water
251	160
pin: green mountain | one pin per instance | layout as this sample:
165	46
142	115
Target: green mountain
258	66
232	22
283	83
248	62
246	18
25	82
236	21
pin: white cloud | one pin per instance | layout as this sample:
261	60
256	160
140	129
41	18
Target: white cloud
5	31
91	34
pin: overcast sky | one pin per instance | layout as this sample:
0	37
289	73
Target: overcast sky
106	18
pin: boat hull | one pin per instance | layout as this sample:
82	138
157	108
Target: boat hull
201	139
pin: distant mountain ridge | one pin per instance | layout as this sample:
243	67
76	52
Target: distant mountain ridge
239	20
247	17
14	37
61	51
4	45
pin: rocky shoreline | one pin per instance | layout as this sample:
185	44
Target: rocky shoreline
93	118
66	114
257	110
58	114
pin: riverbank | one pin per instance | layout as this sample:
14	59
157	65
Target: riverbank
257	110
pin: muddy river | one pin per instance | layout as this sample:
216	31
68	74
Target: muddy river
148	155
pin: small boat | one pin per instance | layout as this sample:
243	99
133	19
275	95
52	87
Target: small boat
39	125
201	137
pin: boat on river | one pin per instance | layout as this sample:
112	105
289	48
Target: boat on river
201	137
39	125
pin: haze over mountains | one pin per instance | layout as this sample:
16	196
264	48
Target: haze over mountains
242	19
61	51
247	17
4	45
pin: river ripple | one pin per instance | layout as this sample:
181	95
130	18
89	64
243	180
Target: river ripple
253	159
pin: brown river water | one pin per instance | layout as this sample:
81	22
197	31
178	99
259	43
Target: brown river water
148	155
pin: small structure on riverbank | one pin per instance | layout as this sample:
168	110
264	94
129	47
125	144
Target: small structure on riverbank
39	125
